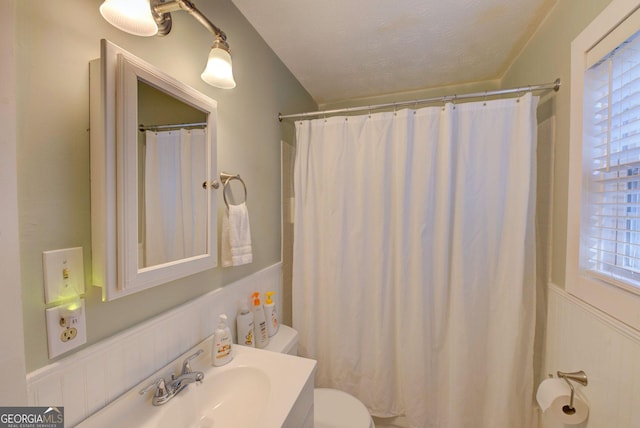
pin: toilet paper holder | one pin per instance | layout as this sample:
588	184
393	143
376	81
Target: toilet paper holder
581	378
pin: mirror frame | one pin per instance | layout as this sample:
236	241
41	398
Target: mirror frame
114	176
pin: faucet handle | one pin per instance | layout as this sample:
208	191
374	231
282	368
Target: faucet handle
158	385
186	364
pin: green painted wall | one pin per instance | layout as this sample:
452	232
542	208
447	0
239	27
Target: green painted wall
55	40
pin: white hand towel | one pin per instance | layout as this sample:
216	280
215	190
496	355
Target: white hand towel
236	236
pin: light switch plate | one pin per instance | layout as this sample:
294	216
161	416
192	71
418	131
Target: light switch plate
63	269
63	336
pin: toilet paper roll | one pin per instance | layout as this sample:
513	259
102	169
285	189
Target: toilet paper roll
549	390
560	411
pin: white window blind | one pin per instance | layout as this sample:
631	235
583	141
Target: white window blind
610	241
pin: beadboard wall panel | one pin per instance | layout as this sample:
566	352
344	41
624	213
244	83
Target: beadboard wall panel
580	337
88	380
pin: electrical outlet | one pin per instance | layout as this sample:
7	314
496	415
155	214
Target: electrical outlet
65	329
63	274
69	334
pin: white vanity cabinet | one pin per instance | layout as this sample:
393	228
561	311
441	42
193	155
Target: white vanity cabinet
257	388
301	414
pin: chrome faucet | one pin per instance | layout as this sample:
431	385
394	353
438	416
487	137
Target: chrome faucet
165	390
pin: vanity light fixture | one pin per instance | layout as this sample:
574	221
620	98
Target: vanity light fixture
153	17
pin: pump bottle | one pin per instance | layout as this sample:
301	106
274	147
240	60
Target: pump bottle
221	344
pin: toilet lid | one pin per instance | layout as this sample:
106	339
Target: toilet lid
337	409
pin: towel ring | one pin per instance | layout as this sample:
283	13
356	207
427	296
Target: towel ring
226	178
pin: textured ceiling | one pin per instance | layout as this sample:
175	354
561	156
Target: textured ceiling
345	49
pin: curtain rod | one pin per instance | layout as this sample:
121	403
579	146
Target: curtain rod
172	126
447	98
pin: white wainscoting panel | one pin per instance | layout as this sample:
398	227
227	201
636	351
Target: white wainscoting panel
580	337
87	380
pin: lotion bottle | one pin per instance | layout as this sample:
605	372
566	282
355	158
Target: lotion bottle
221	345
261	334
271	314
244	324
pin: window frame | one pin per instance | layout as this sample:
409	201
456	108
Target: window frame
613	299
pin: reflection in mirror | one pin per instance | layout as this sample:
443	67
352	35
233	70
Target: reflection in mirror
172	208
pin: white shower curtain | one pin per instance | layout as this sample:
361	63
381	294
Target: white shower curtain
413	272
175	203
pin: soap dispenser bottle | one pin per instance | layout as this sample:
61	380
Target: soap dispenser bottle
244	324
271	314
221	345
259	323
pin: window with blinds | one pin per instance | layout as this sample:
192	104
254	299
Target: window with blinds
603	211
610	240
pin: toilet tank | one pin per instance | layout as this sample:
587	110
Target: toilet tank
284	341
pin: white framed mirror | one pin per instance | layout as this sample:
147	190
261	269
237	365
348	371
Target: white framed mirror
153	169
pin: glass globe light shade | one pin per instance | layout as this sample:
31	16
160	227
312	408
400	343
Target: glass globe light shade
133	16
219	72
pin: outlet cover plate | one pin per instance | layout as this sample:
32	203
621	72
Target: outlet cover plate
55	263
55	331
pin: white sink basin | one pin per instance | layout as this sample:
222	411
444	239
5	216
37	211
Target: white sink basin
226	407
256	389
